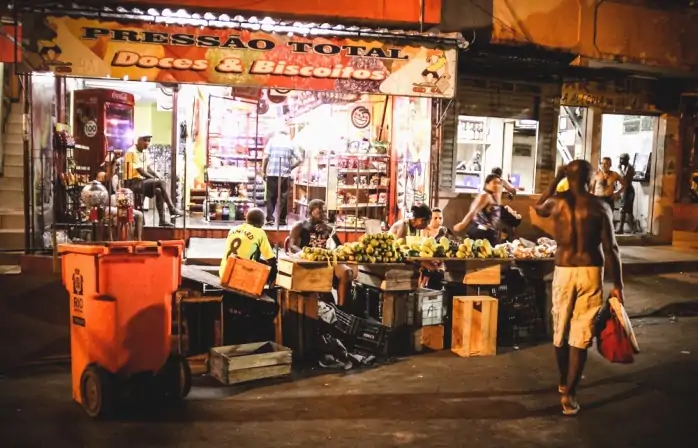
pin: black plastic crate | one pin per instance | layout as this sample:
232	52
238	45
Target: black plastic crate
346	324
371	336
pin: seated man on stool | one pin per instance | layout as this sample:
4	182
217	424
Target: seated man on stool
316	232
249	241
140	177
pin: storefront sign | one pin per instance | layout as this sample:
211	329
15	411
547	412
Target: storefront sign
172	53
591	94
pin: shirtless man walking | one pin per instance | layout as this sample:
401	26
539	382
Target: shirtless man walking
604	183
584	234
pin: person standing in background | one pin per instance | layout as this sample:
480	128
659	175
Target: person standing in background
280	158
435	229
604	183
421	216
627	172
506	185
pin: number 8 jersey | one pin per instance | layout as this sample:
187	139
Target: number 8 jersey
247	241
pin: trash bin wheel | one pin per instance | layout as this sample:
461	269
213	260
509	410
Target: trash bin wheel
96	391
176	375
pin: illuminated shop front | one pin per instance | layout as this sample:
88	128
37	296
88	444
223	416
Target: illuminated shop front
357	105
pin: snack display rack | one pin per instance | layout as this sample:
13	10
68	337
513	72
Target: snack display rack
233	159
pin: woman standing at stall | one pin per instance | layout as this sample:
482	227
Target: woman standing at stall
482	220
436	229
421	215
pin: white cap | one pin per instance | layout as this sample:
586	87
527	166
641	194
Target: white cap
144	134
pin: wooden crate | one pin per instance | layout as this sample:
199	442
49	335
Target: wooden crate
245	275
474	330
482	272
430	338
297	275
235	364
389	277
297	324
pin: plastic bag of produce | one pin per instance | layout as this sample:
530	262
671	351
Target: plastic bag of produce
612	339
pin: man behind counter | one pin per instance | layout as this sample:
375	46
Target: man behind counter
316	232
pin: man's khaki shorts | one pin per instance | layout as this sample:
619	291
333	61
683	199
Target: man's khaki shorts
577	298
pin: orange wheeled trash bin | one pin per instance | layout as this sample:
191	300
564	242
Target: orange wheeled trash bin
121	321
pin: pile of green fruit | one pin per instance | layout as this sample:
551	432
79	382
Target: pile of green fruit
428	249
446	248
371	248
317	254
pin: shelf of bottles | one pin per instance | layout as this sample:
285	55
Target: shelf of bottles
234	156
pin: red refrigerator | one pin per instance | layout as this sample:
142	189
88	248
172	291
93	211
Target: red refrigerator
103	121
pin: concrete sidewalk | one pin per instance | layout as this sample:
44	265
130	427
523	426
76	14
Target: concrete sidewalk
648	260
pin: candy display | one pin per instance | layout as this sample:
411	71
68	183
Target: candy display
94	195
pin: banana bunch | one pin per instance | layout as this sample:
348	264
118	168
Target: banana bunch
502	251
372	248
317	254
427	249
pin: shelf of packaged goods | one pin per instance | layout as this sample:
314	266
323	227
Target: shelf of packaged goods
377	156
361	171
310	184
235	157
363	187
350	206
231	200
227	181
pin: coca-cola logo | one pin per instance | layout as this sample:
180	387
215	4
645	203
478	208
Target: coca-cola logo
119	96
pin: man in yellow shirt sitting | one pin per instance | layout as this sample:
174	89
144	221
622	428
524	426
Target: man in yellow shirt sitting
249	241
140	177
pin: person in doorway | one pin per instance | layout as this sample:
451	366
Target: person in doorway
280	158
140	177
584	233
249	241
110	179
604	182
421	216
482	220
627	172
436	229
315	231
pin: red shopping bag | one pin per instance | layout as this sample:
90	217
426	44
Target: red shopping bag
612	341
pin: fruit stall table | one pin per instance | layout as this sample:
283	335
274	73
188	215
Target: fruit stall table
474	277
302	283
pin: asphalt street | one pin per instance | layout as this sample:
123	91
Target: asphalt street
421	401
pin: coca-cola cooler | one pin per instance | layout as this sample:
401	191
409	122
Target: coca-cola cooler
103	121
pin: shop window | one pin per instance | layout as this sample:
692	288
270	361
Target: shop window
486	143
635	136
